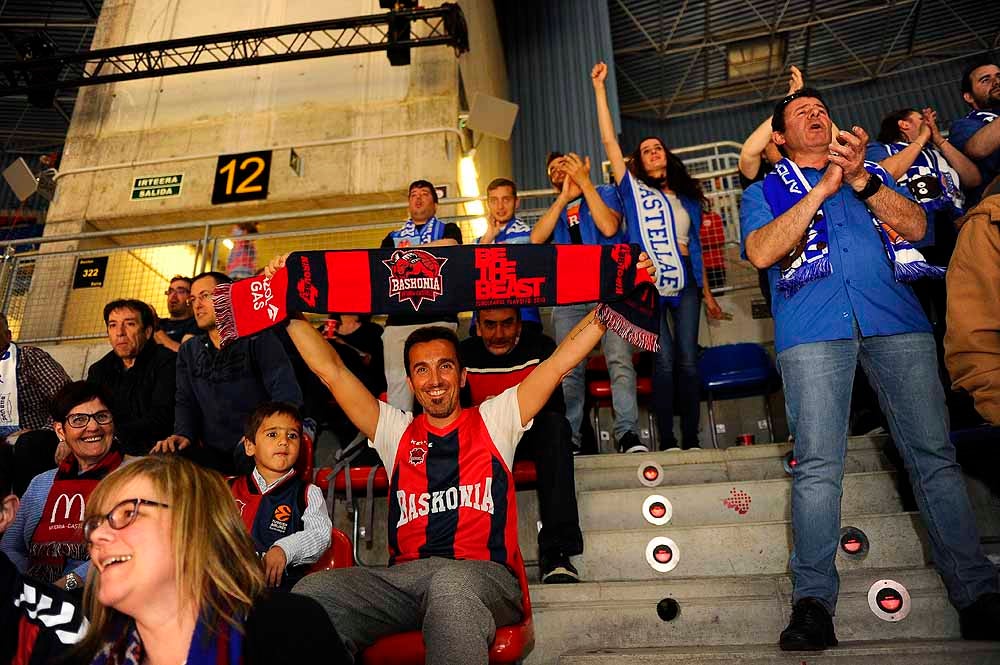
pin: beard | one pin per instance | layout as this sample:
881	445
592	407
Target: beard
439	407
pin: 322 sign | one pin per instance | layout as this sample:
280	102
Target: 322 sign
242	177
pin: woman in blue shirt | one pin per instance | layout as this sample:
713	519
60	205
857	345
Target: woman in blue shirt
663	205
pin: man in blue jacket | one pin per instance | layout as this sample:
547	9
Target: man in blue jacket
217	387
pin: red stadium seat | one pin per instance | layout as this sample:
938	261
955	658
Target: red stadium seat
511	644
358	477
338	555
599	392
525	474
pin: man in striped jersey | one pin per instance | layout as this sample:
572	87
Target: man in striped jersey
453	547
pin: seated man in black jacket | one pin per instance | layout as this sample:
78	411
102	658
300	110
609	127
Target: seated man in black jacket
500	357
139	374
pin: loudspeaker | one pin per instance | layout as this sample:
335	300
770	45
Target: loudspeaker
492	115
20	178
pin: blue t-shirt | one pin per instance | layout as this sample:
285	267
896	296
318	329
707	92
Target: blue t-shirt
862	287
989	166
576	217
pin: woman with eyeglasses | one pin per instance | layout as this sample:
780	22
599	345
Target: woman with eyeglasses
45	542
176	579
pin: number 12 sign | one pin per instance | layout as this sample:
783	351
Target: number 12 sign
242	177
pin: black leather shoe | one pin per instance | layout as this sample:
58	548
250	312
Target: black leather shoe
981	620
810	629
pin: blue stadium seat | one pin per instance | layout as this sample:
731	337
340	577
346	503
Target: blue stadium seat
731	371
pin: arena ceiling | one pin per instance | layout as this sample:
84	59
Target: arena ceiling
69	25
675	58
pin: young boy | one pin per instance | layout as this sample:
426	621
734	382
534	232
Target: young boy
285	514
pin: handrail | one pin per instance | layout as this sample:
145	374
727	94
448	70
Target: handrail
304	214
286	146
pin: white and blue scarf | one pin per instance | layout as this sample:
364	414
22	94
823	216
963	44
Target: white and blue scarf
985	117
810	260
10	419
658	232
931	180
409	234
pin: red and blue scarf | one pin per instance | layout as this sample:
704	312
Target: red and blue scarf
221	645
444	280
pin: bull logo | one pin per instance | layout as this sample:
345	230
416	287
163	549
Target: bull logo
70	501
415	275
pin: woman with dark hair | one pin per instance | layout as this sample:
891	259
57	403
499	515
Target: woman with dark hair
52	549
910	147
176	580
663	206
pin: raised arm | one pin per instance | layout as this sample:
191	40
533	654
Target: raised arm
536	388
606	220
754	145
968	172
900	163
904	216
546	224
984	142
611	148
358	404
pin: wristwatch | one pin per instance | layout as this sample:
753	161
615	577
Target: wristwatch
873	185
73	582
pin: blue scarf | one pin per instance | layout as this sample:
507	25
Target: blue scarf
409	235
810	260
223	646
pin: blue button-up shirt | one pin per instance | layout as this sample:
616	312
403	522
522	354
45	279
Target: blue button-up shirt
862	287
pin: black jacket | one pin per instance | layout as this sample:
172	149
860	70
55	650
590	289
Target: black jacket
142	396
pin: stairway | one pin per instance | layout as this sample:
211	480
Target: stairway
728	595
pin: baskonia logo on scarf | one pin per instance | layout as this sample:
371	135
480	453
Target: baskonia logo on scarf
415	275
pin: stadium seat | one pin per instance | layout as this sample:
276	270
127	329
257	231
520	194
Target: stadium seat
731	371
338	555
368	481
511	644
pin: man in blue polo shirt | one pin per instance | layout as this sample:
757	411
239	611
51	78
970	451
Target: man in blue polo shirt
836	302
976	134
587	215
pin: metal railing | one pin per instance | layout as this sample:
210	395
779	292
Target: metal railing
43	305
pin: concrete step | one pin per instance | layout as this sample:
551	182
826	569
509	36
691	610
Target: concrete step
722	611
739	463
735	502
887	652
762	548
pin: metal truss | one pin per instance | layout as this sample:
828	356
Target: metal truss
444	25
680	84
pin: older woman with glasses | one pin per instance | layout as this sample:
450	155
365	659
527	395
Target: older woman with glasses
176	578
45	542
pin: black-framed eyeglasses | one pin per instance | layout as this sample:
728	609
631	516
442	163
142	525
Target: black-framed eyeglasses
204	296
177	291
80	420
119	517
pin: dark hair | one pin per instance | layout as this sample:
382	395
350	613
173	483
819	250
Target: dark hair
551	157
219	277
424	184
145	311
264	411
778	117
6	470
677	177
967	73
890	132
502	182
75	393
180	278
429	334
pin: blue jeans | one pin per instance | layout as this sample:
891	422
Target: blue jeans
903	372
618	355
683	347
